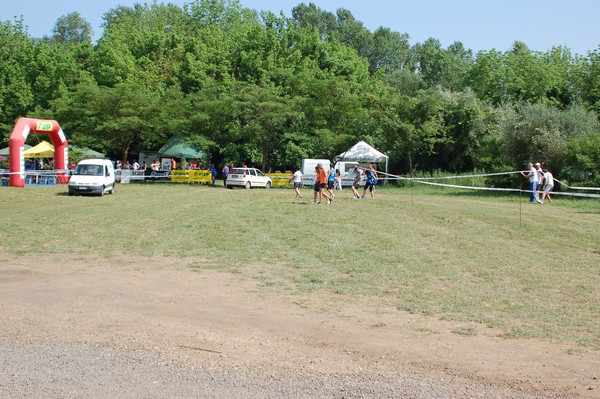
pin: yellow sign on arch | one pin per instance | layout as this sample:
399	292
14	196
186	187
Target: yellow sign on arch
44	126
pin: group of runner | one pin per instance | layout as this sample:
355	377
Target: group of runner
327	180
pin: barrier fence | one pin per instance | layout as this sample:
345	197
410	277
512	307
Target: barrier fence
282	179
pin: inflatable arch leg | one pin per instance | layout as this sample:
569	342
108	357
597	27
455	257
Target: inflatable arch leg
16	149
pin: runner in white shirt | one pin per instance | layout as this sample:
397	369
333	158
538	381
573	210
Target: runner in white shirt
548	186
298	180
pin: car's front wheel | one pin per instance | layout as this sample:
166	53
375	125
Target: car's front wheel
268	185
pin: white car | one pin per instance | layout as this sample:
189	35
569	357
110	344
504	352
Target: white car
248	178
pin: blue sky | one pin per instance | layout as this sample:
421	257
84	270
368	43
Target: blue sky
478	24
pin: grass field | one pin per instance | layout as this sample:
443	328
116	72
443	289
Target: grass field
531	271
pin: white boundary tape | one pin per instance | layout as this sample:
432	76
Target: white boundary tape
422	181
578	188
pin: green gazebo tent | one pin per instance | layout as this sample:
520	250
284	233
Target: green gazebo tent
179	147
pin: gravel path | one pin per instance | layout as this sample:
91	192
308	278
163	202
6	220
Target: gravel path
55	370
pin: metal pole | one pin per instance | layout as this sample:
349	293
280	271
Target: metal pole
520	208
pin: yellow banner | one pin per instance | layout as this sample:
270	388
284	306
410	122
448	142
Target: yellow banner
180	176
191	176
44	126
280	179
200	176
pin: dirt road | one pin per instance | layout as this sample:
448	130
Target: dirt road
85	327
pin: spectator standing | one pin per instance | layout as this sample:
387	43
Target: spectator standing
213	173
225	174
548	186
136	165
533	181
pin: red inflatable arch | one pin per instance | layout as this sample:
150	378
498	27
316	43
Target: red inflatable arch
16	149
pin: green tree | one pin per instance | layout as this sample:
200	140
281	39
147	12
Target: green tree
487	77
223	14
582	164
541	132
352	33
265	115
411	127
310	16
58	69
140	44
457	63
465	122
562	75
17	55
430	62
113	119
391	52
72	29
528	78
588	79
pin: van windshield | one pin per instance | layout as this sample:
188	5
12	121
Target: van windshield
89	170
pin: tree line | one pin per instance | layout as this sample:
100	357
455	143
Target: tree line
266	89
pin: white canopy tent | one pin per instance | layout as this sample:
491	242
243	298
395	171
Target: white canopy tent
363	152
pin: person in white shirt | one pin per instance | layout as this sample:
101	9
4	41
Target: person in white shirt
540	176
298	180
533	181
549	180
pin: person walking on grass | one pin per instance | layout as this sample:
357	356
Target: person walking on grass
320	185
298	180
331	180
533	181
540	176
357	180
371	182
548	186
338	180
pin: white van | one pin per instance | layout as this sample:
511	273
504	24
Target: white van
346	170
93	176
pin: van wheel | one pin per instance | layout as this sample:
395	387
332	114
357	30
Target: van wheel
102	191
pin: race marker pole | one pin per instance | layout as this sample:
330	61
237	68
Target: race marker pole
520	207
